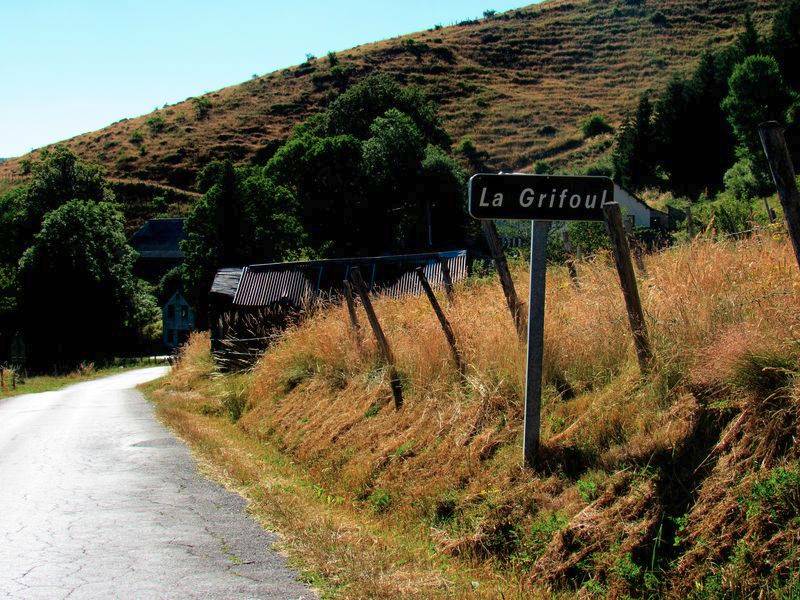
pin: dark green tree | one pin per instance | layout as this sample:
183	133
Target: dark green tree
79	299
634	156
785	40
757	93
243	217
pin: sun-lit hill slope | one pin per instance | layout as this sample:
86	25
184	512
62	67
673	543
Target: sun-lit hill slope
519	84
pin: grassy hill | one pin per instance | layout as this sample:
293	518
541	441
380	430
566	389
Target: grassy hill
682	482
518	84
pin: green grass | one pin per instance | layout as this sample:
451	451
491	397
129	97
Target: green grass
50	383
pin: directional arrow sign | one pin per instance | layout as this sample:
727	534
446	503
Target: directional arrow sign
539	197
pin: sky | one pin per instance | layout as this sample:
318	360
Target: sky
71	66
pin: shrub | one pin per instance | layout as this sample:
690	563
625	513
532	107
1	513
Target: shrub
333	60
202	106
741	182
659	19
596	125
156	124
380	500
488	14
137	138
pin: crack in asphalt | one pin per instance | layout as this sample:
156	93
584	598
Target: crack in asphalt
99	500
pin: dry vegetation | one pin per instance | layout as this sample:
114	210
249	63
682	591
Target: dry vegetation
682	482
519	84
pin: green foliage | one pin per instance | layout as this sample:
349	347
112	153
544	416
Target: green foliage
659	19
626	569
488	14
595	125
333	60
741	182
202	106
784	42
81	248
137	138
776	495
244	216
534	541
757	93
234	398
634	156
380	500
156	124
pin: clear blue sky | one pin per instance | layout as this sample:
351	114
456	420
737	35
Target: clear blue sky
70	66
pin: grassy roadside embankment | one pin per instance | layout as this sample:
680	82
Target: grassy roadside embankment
683	482
50	383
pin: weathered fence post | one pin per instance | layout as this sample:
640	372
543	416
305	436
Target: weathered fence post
383	344
446	328
573	271
446	278
351	310
535	357
627	279
516	306
780	163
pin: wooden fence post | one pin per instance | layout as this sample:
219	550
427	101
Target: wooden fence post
351	310
516	307
446	328
383	344
447	278
573	271
780	163
627	279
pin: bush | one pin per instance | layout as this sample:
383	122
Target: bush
137	138
596	125
659	19
156	124
741	182
488	14
202	106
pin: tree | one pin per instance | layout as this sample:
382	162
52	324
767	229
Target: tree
757	93
79	299
785	40
634	156
243	217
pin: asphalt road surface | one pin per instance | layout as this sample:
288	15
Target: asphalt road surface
99	500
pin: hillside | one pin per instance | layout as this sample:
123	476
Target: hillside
519	84
683	482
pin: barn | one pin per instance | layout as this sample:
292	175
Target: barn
250	306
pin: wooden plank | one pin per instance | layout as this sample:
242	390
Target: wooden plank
383	344
535	357
783	174
515	305
446	327
627	279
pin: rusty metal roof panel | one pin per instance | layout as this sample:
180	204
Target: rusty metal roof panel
301	282
226	282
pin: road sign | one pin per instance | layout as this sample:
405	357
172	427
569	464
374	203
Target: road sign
539	197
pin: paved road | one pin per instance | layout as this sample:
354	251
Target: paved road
99	500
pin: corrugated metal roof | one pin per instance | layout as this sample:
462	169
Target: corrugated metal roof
301	282
226	282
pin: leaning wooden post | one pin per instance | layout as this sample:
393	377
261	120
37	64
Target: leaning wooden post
516	306
627	279
446	328
573	271
780	163
447	279
351	310
383	344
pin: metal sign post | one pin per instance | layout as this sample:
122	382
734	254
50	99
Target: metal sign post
540	199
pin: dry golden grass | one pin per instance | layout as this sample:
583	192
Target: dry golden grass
519	85
624	455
